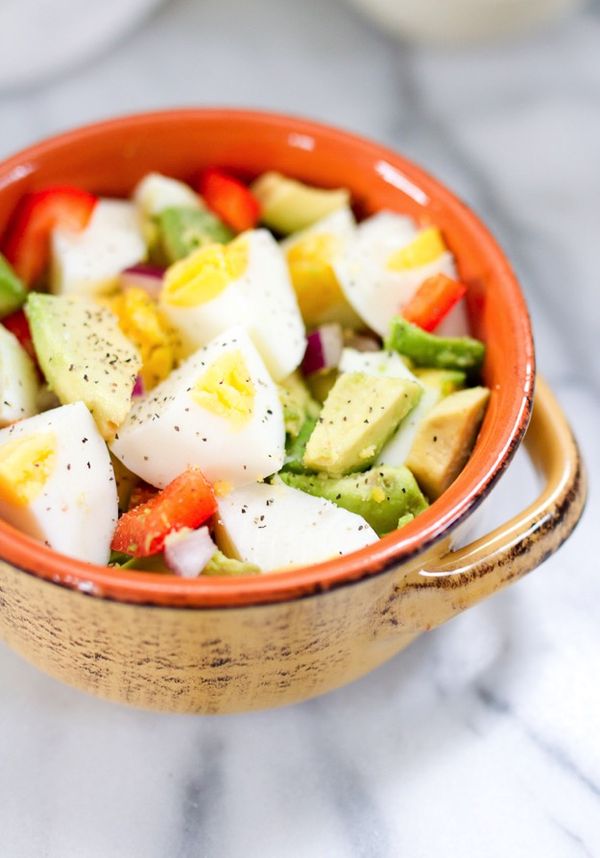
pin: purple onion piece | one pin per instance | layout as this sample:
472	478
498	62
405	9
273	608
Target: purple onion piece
138	387
188	551
143	276
323	349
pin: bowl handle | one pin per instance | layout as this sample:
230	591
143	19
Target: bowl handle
462	577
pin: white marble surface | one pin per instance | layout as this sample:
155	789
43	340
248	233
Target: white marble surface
482	739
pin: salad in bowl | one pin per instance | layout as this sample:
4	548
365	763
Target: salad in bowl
223	378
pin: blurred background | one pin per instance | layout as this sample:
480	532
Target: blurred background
480	740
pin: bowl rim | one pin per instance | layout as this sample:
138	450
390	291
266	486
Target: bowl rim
462	498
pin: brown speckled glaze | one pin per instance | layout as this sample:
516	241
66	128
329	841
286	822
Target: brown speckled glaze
219	660
224	645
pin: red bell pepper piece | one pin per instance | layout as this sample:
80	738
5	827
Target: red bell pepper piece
188	501
230	199
18	325
141	493
26	243
433	300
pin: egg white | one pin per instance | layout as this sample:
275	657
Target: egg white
376	293
76	510
340	226
155	193
396	451
380	363
276	526
168	431
340	223
261	300
19	383
89	262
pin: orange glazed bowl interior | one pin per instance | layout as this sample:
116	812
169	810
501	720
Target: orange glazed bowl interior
110	157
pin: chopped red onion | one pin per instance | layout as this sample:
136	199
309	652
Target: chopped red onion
323	349
188	551
138	387
143	276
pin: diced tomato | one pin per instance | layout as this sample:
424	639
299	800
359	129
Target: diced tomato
141	493
230	199
18	325
433	300
26	243
186	502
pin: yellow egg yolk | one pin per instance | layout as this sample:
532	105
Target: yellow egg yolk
426	247
204	274
313	277
377	494
222	488
226	389
141	321
25	465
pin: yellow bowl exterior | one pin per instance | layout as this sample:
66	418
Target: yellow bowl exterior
208	660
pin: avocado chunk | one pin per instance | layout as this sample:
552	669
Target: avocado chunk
297	402
220	564
183	230
296	447
382	496
437	383
395	451
359	415
289	206
84	356
445	439
425	349
155	563
446	381
320	383
12	289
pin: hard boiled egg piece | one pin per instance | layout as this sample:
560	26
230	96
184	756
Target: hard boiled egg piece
395	452
89	262
385	363
386	265
381	363
276	526
310	256
57	483
246	283
155	193
219	411
19	383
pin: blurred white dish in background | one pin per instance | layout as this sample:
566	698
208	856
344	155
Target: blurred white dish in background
455	21
45	37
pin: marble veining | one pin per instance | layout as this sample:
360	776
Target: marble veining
481	739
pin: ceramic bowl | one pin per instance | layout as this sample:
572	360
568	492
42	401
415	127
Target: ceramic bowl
225	645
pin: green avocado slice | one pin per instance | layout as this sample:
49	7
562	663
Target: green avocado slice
183	230
297	402
445	439
220	564
84	356
447	381
12	289
425	349
360	413
296	447
383	496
